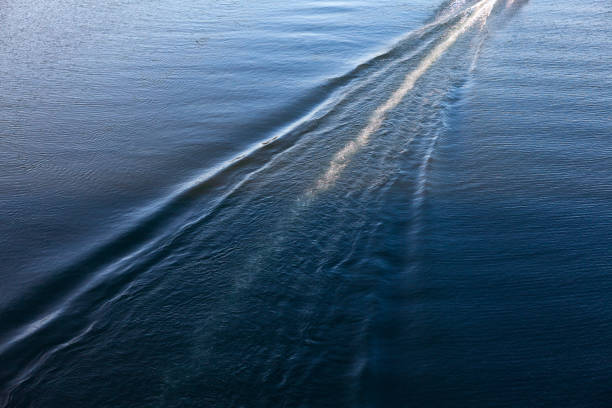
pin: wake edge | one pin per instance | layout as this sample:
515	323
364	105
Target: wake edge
44	304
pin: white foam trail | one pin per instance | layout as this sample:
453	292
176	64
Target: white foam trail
422	178
421	185
342	158
454	6
483	24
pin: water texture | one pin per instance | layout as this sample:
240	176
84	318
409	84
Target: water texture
313	204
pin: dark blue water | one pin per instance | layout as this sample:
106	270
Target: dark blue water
313	204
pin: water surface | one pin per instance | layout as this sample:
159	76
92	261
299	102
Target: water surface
347	203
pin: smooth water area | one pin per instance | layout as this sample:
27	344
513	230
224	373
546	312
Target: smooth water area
305	204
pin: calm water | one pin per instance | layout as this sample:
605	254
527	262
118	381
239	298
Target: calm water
305	204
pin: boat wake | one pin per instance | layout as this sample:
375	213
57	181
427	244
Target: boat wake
479	12
336	177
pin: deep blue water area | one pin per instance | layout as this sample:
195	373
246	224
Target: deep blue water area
305	204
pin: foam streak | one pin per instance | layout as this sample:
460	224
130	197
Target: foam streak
343	157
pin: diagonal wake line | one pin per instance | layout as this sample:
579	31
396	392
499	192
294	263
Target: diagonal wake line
342	158
419	194
127	247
